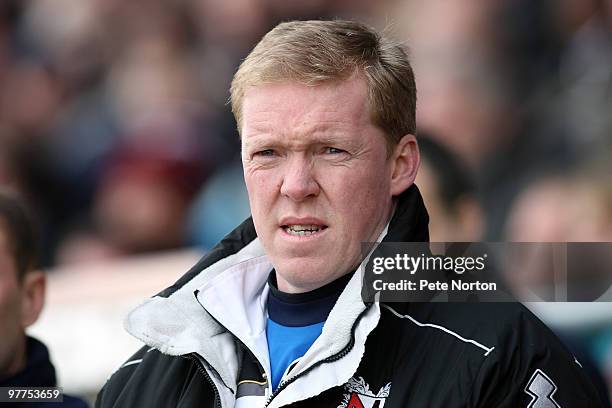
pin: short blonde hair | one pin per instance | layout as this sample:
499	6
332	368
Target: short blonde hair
315	52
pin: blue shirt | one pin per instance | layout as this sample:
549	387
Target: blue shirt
295	320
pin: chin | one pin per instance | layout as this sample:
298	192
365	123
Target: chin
304	273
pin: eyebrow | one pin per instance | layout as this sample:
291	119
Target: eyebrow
271	141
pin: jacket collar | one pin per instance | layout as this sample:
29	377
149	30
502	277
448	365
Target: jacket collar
38	372
410	220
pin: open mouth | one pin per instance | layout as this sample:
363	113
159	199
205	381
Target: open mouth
303	230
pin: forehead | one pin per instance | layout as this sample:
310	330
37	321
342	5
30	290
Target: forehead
293	107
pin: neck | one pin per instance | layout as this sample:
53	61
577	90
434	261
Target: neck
303	309
17	360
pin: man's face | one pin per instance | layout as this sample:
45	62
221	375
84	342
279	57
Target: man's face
317	175
10	311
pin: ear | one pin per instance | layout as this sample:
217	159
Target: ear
405	164
33	297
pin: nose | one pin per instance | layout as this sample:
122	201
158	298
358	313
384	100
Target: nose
298	181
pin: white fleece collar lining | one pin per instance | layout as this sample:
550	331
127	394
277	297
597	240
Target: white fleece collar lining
178	325
236	299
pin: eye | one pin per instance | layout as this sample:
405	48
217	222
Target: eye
264	153
333	150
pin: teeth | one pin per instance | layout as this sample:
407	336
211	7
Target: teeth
304	227
302	230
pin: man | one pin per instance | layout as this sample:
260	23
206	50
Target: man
273	316
24	361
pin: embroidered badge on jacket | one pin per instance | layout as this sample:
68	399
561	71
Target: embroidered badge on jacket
360	396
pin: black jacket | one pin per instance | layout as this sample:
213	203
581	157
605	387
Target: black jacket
38	372
372	355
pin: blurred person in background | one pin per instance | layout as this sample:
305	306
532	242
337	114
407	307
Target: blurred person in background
140	205
574	206
449	194
24	361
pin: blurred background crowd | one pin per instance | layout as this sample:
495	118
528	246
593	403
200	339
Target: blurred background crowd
115	126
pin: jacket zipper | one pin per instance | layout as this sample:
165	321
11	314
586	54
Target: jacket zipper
261	369
199	363
329	359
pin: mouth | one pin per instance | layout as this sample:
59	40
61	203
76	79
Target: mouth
303	230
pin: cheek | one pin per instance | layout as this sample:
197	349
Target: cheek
9	307
258	187
260	194
361	194
367	185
